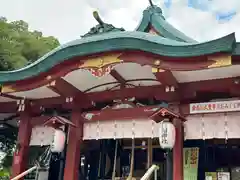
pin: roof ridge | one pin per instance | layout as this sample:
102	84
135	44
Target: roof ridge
166	30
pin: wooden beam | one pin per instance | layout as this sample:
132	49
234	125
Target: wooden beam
187	92
10	96
8	107
145	112
216	85
157	92
67	90
63	88
166	78
118	77
140	92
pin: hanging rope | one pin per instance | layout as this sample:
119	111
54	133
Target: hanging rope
115	161
132	161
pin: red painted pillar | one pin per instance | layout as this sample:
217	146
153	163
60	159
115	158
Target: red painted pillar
73	147
20	158
178	152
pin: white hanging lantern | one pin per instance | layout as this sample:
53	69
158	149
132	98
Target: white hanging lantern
167	134
58	141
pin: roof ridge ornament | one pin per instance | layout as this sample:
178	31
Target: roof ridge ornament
97	17
153	9
102	27
151	3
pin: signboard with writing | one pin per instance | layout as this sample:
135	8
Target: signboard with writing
167	135
223	176
212	107
190	163
210	176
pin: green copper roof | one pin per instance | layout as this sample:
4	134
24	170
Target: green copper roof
119	41
106	38
237	49
153	16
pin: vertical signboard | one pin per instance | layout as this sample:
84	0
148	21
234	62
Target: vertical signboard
190	163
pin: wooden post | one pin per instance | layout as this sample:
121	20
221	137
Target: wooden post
20	158
178	152
71	171
169	162
149	153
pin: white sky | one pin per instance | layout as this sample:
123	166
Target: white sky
68	19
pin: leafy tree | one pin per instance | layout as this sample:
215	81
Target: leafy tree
19	47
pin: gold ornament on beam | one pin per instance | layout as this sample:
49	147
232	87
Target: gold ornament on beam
100	66
155	70
7	89
220	61
99	62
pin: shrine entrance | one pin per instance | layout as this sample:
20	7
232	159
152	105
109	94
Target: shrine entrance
100	163
127	146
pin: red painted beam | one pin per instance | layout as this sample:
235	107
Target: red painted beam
121	114
186	91
67	90
10	96
39	120
140	92
8	107
166	78
147	112
157	92
143	58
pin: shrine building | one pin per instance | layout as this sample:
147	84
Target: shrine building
110	90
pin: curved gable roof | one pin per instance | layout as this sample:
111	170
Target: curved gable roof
106	38
119	41
153	16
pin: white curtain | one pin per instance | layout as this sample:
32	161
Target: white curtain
119	129
209	126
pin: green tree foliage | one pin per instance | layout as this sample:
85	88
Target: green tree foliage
19	46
